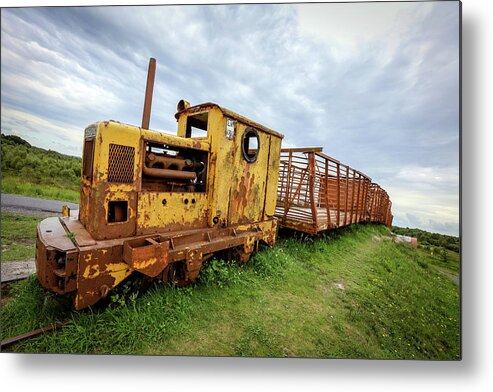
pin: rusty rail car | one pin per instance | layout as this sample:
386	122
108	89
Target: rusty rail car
316	193
160	205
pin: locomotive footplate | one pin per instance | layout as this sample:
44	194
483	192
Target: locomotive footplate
69	261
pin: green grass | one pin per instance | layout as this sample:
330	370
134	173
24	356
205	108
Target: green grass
16	185
18	236
32	171
450	262
341	296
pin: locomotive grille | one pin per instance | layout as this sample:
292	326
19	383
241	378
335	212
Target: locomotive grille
121	164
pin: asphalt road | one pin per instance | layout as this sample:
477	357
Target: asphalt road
18	203
28	206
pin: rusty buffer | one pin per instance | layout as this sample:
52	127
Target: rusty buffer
316	192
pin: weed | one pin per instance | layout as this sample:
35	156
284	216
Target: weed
71	236
220	273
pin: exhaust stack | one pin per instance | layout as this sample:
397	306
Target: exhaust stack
151	73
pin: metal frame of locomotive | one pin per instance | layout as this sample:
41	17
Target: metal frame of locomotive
160	205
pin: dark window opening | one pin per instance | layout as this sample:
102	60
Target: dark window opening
117	211
250	145
197	125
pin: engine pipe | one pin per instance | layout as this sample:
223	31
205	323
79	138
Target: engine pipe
171	174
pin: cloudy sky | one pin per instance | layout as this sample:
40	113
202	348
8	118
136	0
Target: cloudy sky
375	84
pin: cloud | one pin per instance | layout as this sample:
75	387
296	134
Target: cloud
427	197
375	84
43	132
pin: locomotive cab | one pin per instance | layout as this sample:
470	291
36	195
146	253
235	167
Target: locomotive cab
161	204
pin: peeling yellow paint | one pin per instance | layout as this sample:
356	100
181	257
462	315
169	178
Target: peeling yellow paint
182	210
140	265
113	269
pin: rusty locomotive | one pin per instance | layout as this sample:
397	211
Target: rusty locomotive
160	205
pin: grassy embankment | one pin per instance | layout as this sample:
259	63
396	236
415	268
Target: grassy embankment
351	294
36	172
442	249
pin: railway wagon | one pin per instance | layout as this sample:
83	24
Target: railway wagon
317	193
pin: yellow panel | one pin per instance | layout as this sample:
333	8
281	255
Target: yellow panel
115	133
247	187
273	174
178	211
219	173
237	187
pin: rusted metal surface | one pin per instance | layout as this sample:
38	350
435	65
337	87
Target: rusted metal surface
160	205
317	193
56	257
380	205
28	335
149	256
105	264
171	174
146	115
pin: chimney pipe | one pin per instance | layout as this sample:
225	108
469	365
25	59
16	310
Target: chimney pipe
146	115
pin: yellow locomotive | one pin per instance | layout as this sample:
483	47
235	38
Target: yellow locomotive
161	204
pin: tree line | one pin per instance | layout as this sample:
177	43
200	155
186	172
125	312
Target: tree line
37	165
434	239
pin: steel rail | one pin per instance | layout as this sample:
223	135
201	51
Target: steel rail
28	335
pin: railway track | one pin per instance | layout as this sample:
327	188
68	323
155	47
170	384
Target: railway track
31	334
8	342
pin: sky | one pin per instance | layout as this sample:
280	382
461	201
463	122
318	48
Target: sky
375	84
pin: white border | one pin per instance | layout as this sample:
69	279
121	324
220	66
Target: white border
79	373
